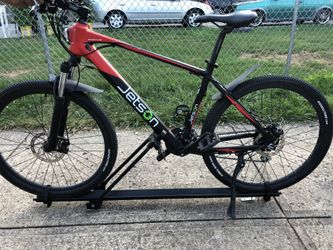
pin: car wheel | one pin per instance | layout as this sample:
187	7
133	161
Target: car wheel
218	11
323	16
189	19
116	20
259	20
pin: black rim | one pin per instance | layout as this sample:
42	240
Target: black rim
301	127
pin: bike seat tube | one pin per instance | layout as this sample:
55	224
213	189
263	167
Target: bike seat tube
211	65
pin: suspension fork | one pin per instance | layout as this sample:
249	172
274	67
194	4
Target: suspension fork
60	108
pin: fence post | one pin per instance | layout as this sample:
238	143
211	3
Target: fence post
292	36
46	46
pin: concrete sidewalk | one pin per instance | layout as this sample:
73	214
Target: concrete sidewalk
298	219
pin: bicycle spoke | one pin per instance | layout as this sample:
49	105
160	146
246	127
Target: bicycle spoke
81	163
293	155
288	160
72	165
40	164
47	170
34	159
13	155
55	174
85	151
301	133
82	137
38	114
62	172
32	165
282	165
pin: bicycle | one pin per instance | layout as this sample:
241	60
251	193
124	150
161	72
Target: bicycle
56	139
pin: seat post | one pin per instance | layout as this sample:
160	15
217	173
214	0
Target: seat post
211	64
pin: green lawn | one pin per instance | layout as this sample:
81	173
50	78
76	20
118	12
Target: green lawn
164	87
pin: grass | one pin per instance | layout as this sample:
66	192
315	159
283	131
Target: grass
164	87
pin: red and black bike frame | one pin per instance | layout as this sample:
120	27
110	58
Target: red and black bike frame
82	40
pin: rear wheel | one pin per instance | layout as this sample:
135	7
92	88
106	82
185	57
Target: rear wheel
89	146
290	105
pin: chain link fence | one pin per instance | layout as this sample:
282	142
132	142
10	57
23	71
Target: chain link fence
291	37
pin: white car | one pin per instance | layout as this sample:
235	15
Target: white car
116	13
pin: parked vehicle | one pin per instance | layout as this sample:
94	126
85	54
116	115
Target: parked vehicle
222	6
319	11
116	13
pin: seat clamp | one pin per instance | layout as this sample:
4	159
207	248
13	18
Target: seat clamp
214	65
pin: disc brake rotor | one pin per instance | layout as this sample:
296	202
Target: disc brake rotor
37	148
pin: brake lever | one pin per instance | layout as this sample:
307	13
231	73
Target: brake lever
33	11
41	8
52	6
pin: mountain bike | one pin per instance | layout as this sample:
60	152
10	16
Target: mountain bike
267	132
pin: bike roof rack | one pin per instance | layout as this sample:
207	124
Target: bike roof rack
96	197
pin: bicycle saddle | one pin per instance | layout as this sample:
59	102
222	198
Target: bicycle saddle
236	19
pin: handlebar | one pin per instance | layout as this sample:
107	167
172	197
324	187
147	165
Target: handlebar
52	6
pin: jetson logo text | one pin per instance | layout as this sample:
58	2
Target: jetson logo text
137	103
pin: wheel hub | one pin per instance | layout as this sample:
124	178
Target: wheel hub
273	142
37	148
116	21
192	18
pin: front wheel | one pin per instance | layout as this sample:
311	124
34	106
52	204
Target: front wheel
295	109
88	147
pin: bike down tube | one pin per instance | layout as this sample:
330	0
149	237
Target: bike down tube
82	45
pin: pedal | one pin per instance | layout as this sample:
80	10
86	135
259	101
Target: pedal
208	142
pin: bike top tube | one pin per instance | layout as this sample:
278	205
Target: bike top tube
82	41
